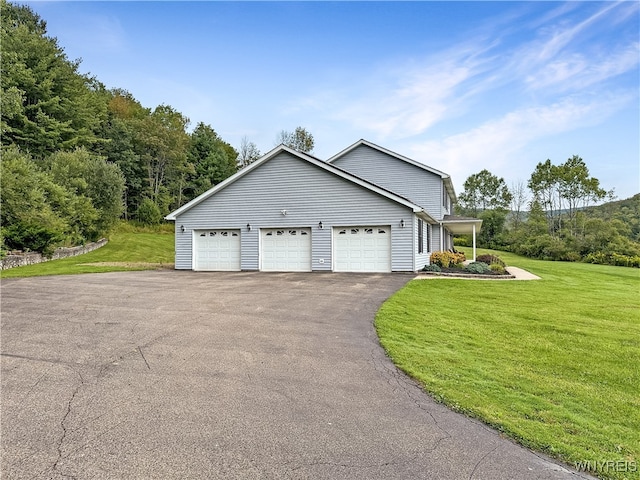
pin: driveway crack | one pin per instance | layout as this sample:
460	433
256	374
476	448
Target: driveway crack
63	426
475	467
399	381
143	357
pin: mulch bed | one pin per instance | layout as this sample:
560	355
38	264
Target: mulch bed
459	273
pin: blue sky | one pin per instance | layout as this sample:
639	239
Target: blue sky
459	86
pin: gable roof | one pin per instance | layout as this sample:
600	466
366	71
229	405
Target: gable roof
445	177
332	169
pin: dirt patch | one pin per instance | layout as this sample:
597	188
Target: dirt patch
149	266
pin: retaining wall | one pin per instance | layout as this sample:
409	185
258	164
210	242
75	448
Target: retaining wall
22	259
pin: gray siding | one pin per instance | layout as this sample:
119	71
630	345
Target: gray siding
309	194
420	186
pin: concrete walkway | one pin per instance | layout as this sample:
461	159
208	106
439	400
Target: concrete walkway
521	274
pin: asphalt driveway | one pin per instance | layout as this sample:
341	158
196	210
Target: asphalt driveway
166	375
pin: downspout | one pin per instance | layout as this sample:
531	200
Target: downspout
441	238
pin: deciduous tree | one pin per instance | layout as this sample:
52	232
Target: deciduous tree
248	153
484	191
300	139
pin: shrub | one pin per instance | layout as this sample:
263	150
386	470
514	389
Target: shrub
463	241
442	259
490	260
148	212
477	267
431	268
458	257
496	268
32	237
604	258
446	259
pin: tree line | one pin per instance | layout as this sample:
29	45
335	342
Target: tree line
555	216
76	156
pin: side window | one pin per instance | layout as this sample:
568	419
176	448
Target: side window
420	236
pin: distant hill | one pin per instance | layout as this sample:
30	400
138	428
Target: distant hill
627	211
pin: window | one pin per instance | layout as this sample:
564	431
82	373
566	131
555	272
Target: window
420	236
428	237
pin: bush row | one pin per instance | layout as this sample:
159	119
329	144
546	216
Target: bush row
617	259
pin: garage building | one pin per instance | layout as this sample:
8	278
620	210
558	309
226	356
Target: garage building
290	211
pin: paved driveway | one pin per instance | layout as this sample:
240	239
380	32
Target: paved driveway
166	375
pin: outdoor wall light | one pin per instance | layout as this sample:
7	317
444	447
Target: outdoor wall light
283	212
402	223
182	228
249	226
320	225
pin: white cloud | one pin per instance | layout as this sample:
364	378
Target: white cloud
415	102
497	145
576	71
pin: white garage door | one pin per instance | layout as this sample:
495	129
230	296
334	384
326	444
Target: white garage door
286	249
362	249
217	250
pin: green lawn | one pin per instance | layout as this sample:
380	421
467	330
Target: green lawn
129	248
552	363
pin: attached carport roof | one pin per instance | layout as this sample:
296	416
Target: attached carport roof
461	225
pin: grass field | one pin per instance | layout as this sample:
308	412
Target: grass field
552	363
129	248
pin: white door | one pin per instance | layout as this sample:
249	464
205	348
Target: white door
216	250
362	249
286	249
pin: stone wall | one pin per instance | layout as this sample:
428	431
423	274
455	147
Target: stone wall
19	260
